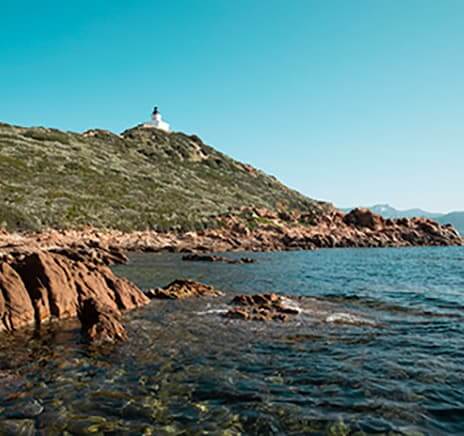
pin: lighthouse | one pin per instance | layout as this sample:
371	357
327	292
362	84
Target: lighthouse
157	120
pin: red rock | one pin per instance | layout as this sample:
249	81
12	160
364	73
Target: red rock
364	218
289	231
101	323
42	285
180	289
94	254
50	284
260	307
16	308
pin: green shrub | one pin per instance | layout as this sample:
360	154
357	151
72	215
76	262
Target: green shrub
47	135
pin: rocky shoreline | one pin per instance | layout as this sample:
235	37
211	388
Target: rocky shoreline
249	229
63	274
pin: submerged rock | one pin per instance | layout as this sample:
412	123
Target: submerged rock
17	427
261	307
24	409
214	258
101	323
180	289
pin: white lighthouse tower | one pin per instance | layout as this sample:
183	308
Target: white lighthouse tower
157	120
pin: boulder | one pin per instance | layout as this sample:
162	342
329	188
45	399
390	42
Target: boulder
100	323
364	218
261	307
180	289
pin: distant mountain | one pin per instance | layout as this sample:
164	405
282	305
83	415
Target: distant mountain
456	219
388	211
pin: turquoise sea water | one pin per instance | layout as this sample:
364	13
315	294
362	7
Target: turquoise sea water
377	349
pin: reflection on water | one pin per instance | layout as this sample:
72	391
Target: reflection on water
378	348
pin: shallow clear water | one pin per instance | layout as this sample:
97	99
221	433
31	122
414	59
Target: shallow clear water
378	348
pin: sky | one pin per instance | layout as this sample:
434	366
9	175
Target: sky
355	102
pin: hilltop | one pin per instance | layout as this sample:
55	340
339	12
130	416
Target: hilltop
141	179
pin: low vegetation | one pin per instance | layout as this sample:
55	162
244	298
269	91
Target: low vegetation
141	179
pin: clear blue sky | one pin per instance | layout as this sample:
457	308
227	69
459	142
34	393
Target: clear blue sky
352	101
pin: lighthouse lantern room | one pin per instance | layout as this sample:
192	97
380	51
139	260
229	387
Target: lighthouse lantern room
157	120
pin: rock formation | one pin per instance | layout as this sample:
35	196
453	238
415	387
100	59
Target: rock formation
41	286
247	229
261	307
180	289
16	309
100	323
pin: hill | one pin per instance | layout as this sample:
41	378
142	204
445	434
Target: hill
142	179
456	219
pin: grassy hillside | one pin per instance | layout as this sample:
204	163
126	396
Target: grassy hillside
143	178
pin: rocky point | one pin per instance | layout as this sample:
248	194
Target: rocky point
247	229
43	285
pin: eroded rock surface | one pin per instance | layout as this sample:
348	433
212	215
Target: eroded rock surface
261	307
180	289
16	309
245	229
40	286
101	323
93	253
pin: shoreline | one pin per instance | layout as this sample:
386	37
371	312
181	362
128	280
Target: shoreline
63	274
253	230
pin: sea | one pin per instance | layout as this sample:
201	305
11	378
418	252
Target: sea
377	348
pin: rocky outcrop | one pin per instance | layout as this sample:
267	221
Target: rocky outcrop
93	253
16	309
180	289
363	228
247	229
261	307
101	323
40	286
364	218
